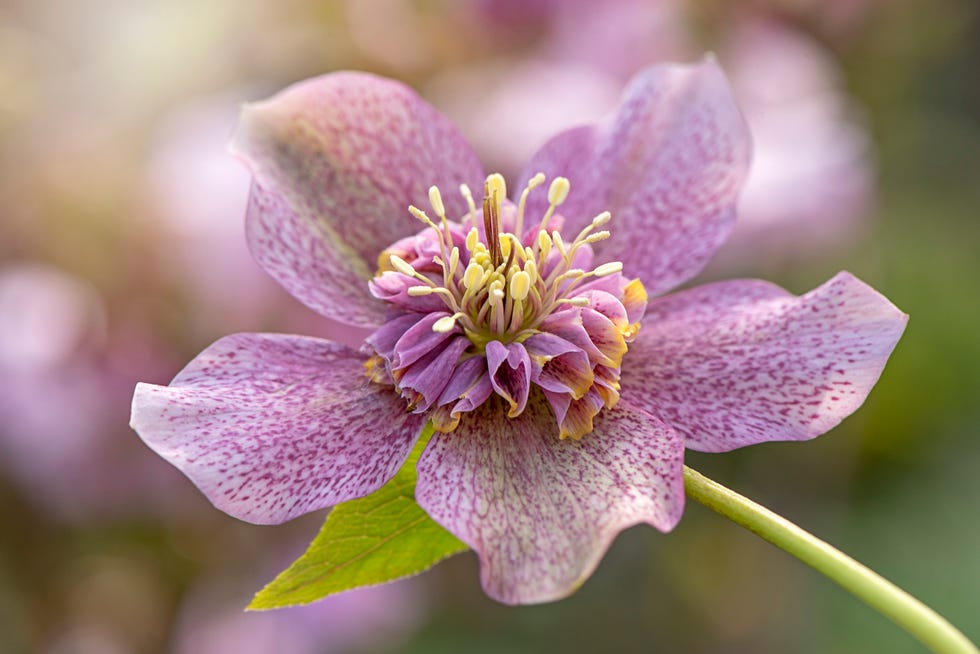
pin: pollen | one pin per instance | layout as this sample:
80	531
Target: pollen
435	199
402	266
520	285
558	191
444	324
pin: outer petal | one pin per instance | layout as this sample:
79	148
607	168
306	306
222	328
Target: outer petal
668	165
336	162
270	426
539	511
742	362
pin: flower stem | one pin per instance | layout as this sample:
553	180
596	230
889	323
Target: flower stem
934	631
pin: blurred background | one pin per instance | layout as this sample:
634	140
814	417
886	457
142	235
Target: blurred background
122	256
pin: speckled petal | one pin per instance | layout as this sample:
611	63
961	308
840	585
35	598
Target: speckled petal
540	512
336	160
270	426
742	362
668	164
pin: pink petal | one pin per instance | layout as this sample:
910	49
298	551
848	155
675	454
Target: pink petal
540	512
510	373
418	340
742	362
430	375
336	162
270	426
812	181
668	165
558	365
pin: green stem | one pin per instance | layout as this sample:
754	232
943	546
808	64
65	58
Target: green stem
934	631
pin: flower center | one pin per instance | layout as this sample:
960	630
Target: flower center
485	306
507	286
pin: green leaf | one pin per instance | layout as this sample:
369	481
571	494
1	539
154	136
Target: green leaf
365	542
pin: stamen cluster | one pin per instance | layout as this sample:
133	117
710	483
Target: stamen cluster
486	306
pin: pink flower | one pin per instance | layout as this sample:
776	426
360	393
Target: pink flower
63	384
510	325
211	619
812	182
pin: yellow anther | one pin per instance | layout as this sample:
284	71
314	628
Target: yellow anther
610	268
558	191
418	291
472	239
505	246
531	268
544	243
402	266
598	236
435	199
575	301
520	285
532	184
497	186
421	215
601	219
444	324
481	256
453	258
496	290
473	275
574	273
467	194
559	243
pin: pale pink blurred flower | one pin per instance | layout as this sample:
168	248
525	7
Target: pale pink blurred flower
619	37
526	102
368	619
63	401
812	178
392	33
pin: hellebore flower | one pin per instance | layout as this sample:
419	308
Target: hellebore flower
562	398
